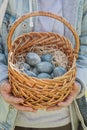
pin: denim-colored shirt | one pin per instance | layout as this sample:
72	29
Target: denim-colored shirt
75	13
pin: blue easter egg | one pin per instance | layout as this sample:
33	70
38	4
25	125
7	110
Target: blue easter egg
59	71
46	57
32	59
44	75
44	67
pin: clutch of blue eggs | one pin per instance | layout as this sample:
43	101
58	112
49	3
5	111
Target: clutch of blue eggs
41	66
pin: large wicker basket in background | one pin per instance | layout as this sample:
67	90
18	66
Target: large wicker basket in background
41	93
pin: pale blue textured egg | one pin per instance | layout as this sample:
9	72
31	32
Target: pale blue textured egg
44	67
32	58
46	57
25	66
34	70
52	75
59	71
30	73
44	75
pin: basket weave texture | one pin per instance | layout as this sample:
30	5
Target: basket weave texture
41	93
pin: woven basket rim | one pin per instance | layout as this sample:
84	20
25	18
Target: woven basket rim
60	77
41	33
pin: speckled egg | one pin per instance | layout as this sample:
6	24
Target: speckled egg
34	70
44	67
24	66
32	58
46	57
30	73
44	75
58	71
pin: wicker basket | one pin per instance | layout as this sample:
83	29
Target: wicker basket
41	93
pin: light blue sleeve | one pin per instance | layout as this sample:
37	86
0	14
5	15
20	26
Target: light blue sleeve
10	16
1	2
3	64
82	59
15	9
3	61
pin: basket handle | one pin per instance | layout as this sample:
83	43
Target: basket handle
41	13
